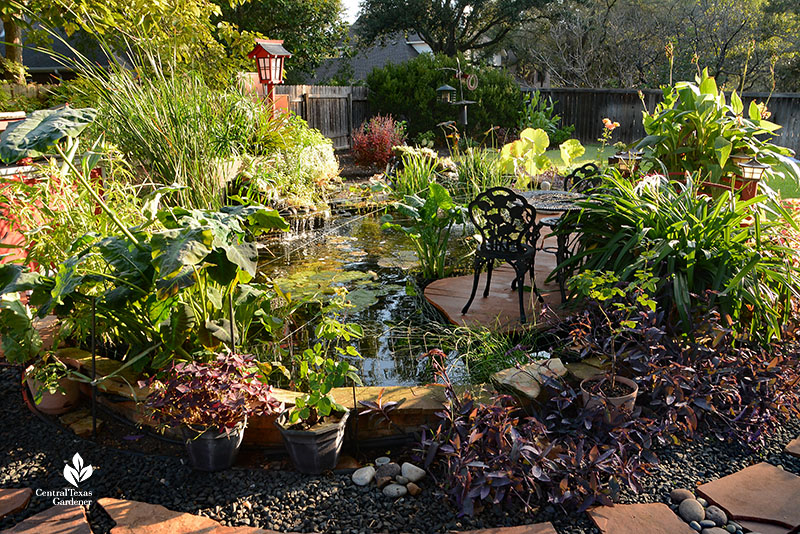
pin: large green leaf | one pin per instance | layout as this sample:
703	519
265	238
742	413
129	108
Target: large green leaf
37	134
175	249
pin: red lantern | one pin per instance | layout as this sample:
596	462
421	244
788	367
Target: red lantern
269	55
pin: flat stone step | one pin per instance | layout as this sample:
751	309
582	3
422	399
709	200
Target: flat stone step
652	518
54	520
761	492
14	500
134	517
793	447
538	528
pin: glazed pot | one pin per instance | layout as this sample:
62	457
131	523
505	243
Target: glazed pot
317	449
624	403
58	402
212	450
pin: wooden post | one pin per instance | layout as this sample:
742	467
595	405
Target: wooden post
350	118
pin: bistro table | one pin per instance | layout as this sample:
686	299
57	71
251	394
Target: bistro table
555	201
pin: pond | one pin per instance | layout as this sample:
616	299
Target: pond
374	265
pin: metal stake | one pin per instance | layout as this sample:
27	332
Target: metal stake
232	320
94	368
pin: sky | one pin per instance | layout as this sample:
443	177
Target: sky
350	10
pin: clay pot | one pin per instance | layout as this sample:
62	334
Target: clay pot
58	402
625	403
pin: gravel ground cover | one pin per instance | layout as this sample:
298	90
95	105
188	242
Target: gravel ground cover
33	452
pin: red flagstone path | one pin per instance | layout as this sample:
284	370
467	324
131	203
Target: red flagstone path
761	492
538	528
14	500
653	518
54	520
133	517
793	447
763	528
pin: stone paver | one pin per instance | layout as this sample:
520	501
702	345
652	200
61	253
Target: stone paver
793	447
538	528
527	380
763	528
134	517
54	520
761	492
14	500
653	518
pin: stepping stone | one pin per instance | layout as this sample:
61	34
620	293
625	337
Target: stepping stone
538	528
793	447
14	500
761	492
763	528
528	379
134	517
653	518
54	520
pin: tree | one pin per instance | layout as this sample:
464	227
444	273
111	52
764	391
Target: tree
311	29
181	27
623	43
447	26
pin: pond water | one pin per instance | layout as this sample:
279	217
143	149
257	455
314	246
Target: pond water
374	265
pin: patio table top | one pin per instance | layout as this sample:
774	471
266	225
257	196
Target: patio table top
553	200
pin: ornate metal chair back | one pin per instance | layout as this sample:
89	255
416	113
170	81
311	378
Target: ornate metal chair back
505	220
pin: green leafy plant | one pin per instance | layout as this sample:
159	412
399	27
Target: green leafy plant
418	170
322	367
526	156
479	170
696	130
704	252
539	113
430	221
47	373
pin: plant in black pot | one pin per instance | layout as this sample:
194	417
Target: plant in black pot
211	402
313	430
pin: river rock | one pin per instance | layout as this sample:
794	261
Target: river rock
363	476
382	482
394	491
678	495
691	510
413	489
412	472
388	470
695	526
717	515
401	480
707	523
714	530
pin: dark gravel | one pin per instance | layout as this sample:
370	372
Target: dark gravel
34	452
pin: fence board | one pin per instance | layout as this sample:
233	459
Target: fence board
335	111
586	108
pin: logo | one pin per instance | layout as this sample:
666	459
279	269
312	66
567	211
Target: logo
74	474
77	472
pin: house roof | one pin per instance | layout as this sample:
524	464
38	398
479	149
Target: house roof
396	48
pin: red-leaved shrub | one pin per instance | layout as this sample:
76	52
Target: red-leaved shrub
373	142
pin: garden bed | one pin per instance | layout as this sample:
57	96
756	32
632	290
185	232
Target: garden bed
34	451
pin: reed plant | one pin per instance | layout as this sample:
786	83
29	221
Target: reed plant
418	172
479	170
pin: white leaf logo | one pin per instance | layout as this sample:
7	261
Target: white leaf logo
76	472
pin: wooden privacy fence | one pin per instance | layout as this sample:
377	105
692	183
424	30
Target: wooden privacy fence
586	108
32	90
334	111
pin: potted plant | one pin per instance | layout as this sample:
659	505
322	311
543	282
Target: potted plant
211	402
49	381
313	430
696	130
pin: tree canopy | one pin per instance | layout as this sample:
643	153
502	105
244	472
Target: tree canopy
447	26
311	29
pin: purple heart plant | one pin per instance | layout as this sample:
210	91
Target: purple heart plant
216	396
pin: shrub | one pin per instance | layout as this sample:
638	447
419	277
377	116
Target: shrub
409	90
372	144
697	247
538	113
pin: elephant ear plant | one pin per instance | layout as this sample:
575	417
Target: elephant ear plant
430	221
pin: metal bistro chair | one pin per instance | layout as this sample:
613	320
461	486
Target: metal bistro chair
507	224
580	180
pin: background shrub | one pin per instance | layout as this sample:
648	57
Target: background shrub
409	91
373	142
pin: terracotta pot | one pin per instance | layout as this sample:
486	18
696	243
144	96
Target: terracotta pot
624	403
58	402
